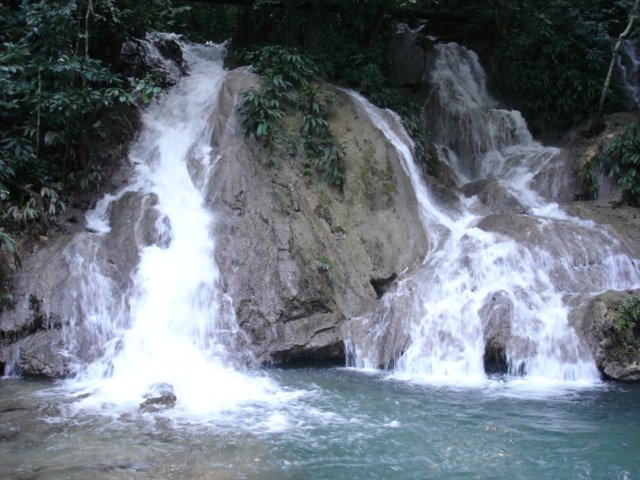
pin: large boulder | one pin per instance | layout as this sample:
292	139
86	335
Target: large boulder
497	315
53	295
616	349
409	57
494	196
300	257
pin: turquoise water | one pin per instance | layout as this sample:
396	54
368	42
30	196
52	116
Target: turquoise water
347	425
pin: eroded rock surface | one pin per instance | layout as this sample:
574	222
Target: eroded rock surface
298	255
616	351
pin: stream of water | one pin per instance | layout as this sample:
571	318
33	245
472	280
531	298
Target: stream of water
629	66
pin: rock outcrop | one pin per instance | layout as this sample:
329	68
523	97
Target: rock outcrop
616	350
158	55
300	257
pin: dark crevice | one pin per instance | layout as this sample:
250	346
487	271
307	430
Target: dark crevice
326	357
495	360
382	285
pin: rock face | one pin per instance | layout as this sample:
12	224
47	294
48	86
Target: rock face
158	54
496	315
52	299
300	257
616	351
160	397
408	57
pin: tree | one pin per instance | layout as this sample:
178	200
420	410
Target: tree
616	51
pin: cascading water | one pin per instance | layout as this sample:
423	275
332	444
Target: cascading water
629	66
175	330
492	293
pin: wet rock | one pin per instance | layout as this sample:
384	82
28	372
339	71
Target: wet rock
50	293
575	255
560	181
158	54
408	57
159	398
41	355
297	255
496	315
616	352
382	285
494	196
624	221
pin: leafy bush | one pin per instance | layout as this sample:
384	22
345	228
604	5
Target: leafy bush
52	94
620	158
549	58
287	87
628	316
260	113
7	242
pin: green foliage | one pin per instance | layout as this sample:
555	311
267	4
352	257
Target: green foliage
319	144
587	169
556	63
287	88
344	44
201	22
620	158
8	244
628	315
52	93
323	264
145	89
120	19
261	112
550	56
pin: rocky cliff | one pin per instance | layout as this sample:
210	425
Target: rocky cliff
300	257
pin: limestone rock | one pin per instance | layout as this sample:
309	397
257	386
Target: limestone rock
408	57
496	314
297	255
40	355
494	196
617	354
159	398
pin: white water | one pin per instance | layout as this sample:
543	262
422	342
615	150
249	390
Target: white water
175	329
629	66
432	327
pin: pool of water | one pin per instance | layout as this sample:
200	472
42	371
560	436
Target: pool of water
342	424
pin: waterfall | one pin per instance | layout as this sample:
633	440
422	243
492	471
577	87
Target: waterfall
629	65
493	292
172	329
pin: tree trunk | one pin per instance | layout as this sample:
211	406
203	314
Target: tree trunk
632	17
